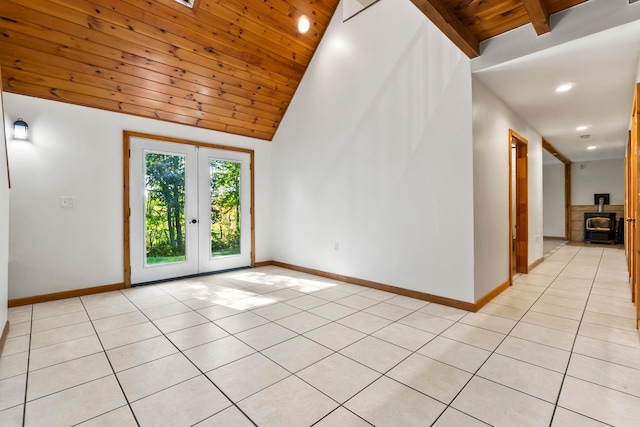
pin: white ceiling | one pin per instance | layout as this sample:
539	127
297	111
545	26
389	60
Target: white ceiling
601	66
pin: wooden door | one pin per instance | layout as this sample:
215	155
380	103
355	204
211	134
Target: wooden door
635	202
521	197
629	202
627	197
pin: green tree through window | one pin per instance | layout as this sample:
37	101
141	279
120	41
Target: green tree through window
165	208
225	207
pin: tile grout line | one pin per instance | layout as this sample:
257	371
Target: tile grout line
307	310
473	375
367	335
571	353
575	338
112	370
555	404
26	379
55	364
190	361
413	352
506	335
384	374
370	334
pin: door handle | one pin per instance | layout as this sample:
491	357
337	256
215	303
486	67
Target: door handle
631	220
193	221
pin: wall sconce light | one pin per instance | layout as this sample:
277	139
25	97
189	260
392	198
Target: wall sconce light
20	130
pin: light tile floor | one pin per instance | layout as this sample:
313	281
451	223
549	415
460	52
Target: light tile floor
551	245
274	347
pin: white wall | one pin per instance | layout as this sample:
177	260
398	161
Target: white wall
4	229
492	120
375	154
602	176
77	151
553	200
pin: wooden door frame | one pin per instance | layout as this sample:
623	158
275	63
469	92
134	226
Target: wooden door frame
635	202
629	239
126	144
567	201
522	204
627	198
567	185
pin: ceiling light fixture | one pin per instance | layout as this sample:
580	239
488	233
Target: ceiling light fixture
303	24
583	127
564	87
591	147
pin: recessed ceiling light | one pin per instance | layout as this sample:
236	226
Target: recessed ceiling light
583	127
591	147
564	87
303	24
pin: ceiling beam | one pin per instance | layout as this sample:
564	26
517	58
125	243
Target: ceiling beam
539	15
554	152
444	18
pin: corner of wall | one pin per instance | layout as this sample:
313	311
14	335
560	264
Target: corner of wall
492	120
4	226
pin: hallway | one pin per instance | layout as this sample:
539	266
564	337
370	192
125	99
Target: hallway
578	302
275	347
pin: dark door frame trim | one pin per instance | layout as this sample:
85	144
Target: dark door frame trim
567	185
522	204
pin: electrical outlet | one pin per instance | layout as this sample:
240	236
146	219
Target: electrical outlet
68	202
336	246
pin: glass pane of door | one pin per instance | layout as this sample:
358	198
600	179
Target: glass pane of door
163	201
225	207
164	208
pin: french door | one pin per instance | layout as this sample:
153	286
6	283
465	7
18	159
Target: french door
190	209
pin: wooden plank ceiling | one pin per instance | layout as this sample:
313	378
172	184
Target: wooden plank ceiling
468	22
225	65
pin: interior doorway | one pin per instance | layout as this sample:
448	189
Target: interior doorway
567	186
518	204
189	209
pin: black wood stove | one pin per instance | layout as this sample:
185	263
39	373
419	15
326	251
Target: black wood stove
600	227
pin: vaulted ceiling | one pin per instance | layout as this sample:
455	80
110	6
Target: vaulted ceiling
225	65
